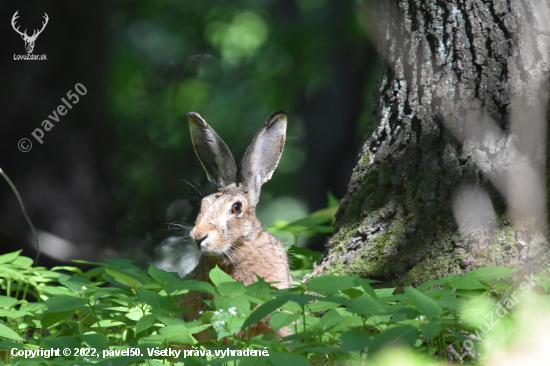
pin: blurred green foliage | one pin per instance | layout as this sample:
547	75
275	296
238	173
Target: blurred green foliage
235	63
318	222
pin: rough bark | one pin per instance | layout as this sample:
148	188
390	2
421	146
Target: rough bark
457	105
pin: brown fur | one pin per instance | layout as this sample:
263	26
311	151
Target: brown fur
236	242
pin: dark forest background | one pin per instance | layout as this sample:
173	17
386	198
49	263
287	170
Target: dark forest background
108	178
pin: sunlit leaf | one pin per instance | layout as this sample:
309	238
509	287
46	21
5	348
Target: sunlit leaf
218	276
6	332
426	305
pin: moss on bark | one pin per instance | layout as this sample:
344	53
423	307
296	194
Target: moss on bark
448	65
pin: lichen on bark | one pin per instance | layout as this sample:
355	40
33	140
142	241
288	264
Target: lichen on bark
448	68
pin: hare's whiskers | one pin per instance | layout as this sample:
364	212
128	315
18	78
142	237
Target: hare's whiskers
196	189
198	185
236	263
235	252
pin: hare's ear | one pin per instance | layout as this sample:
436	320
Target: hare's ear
263	154
213	153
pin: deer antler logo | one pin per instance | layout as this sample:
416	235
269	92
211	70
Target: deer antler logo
29	41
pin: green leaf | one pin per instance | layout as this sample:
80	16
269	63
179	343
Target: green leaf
263	311
74	282
259	289
311	220
145	322
89	263
62	303
66	268
332	321
22	262
345	323
13	314
438	293
430	330
428	284
120	262
7	301
365	284
353	341
197	286
467	283
393	337
158	303
253	361
6	258
8	345
285	359
231	288
321	229
366	305
6	332
320	349
292	307
57	290
332	201
51	318
330	318
300	299
331	284
128	301
170	320
403	313
176	333
282	319
452	303
61	342
123	360
242	305
320	306
107	323
218	276
490	273
167	280
95	340
423	303
156	286
384	292
123	278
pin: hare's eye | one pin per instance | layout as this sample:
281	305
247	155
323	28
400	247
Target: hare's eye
237	207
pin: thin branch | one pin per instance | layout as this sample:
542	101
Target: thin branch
24	213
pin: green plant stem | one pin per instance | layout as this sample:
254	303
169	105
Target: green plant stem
444	348
304	318
18	289
80	325
95	314
9	288
24	213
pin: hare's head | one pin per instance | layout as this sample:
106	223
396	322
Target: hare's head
228	217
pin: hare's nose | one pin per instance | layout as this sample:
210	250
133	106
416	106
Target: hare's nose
199	238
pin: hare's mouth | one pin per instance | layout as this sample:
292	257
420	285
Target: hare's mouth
210	252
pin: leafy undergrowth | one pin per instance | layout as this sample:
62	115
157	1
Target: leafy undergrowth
118	314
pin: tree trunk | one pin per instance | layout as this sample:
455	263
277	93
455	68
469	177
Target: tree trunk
452	175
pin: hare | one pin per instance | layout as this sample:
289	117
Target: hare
227	231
